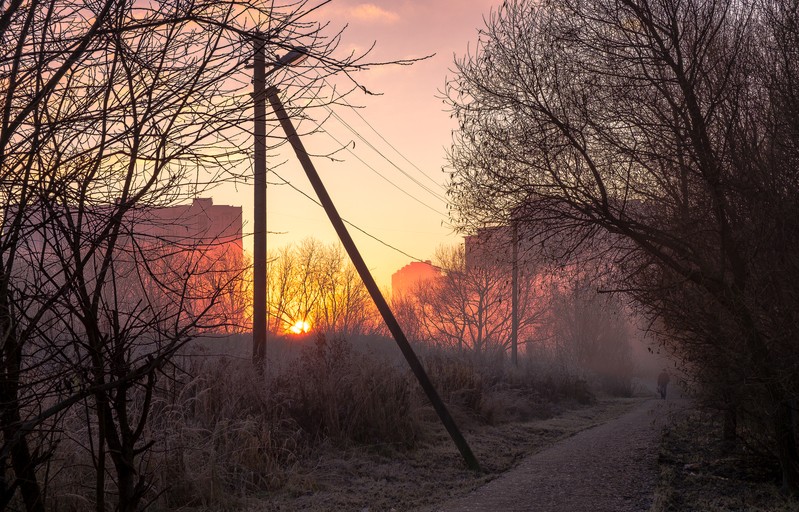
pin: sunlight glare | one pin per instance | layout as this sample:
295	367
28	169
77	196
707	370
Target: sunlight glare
300	327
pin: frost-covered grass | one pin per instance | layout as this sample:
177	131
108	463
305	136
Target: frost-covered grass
696	475
331	425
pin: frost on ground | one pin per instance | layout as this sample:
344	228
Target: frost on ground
332	427
697	475
376	480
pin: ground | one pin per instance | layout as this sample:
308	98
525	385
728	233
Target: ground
640	454
382	479
608	468
695	475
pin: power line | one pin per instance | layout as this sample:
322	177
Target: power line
386	158
315	201
378	172
355	110
316	96
343	100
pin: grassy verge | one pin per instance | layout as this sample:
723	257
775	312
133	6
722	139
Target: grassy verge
696	476
330	426
361	478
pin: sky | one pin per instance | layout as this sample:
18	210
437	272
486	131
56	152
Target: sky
408	114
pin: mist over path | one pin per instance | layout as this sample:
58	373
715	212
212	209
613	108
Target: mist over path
608	468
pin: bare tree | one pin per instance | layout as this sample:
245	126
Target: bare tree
406	309
469	306
591	333
107	108
280	276
227	280
666	124
315	283
345	306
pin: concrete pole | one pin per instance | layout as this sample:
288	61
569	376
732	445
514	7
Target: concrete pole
514	319
259	207
369	282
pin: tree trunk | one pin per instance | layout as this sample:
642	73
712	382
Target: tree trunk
121	449
786	448
729	439
100	462
21	460
123	459
126	476
25	470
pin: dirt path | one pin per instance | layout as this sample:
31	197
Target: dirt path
612	467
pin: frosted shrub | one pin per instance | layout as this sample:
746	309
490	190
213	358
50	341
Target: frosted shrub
336	393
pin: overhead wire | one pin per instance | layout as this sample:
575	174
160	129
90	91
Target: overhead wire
342	100
397	151
386	158
381	175
376	150
316	201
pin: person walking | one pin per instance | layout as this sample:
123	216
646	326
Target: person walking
663	382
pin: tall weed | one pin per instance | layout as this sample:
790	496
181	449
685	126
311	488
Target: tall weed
348	397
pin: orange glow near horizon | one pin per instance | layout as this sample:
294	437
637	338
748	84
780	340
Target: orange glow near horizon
439	29
300	327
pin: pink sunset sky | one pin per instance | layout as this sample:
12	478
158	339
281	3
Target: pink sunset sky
408	113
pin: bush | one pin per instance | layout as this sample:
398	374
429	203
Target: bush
335	393
495	392
223	433
458	380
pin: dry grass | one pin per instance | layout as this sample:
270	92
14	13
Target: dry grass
362	479
332	427
696	476
337	394
228	433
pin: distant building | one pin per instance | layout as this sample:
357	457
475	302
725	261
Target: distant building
492	247
193	249
406	279
205	240
202	225
489	247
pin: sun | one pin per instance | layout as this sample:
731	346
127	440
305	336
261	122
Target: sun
300	327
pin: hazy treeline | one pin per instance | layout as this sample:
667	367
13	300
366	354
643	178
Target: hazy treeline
465	308
561	317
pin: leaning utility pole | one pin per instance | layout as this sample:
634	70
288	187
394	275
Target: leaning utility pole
369	282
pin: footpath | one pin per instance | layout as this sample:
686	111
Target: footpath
608	468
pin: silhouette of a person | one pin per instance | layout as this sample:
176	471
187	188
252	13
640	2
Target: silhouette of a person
663	382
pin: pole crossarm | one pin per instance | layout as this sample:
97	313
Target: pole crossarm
369	282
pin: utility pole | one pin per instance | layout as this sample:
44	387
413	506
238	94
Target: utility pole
514	301
259	206
259	75
369	282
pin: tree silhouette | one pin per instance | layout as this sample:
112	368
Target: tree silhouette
671	127
108	108
315	283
